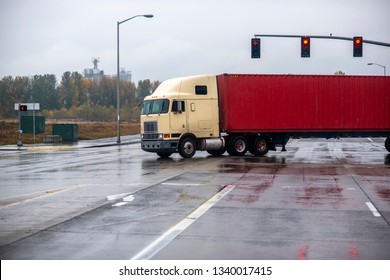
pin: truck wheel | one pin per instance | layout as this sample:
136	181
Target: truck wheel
387	144
260	146
237	146
187	147
164	155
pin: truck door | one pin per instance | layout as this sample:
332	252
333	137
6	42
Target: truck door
178	118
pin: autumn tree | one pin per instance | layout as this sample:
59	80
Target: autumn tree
145	88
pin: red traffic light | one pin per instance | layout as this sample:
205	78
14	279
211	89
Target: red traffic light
357	46
255	47
22	107
305	46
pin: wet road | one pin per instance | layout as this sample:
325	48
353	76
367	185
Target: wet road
319	200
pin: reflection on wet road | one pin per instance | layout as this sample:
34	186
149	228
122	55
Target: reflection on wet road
319	200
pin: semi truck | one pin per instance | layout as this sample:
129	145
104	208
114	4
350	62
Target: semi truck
238	113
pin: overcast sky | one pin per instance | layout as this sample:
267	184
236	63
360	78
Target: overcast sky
189	37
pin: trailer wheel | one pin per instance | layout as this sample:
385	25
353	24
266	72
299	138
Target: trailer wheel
260	146
387	144
164	155
187	147
237	146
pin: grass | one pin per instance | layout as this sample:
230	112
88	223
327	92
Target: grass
86	131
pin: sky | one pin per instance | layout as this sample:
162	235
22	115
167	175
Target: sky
190	37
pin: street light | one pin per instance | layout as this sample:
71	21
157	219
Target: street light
384	67
118	140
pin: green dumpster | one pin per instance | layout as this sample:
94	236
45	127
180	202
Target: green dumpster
27	124
68	132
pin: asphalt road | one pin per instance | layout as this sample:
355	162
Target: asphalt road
322	199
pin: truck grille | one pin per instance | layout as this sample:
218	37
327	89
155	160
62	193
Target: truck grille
150	136
150	126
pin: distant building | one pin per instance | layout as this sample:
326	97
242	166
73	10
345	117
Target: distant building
125	75
94	73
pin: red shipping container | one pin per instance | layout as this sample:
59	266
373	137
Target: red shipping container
304	103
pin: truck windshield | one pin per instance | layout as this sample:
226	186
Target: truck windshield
159	106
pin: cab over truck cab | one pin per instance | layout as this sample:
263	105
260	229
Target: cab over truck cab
182	116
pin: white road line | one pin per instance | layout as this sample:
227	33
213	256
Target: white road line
117	196
45	193
119	204
129	198
373	209
369	139
158	244
180	184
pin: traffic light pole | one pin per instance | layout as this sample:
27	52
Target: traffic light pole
325	37
20	143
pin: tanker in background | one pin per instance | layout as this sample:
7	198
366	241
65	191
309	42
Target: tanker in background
256	113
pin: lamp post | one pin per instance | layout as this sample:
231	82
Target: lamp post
384	67
118	140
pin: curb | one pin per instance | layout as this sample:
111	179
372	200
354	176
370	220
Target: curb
66	147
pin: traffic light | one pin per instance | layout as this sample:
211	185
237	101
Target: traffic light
255	45
23	108
305	46
357	46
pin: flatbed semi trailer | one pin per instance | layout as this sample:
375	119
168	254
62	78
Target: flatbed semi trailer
239	113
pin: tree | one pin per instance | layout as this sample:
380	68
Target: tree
65	91
44	91
127	94
155	85
144	89
75	96
21	89
6	100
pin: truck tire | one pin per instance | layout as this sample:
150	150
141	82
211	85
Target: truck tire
164	155
260	146
237	146
187	147
387	144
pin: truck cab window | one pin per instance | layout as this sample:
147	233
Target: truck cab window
159	106
200	90
178	106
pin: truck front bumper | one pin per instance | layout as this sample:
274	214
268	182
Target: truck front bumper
162	146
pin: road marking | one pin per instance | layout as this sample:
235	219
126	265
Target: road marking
45	194
369	139
117	196
129	198
54	148
126	198
373	209
162	241
180	184
119	204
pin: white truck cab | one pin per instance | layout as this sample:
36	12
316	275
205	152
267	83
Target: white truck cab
182	116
